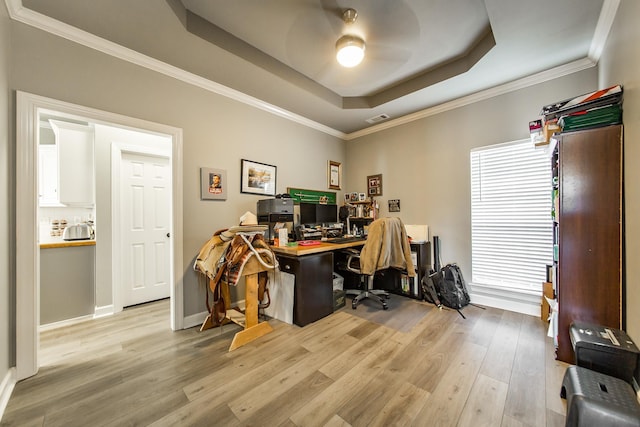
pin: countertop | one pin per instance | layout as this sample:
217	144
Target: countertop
57	242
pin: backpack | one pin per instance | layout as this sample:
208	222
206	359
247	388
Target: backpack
450	287
455	282
429	291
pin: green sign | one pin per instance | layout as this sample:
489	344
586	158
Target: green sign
312	196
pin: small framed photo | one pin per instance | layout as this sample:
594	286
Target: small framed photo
213	184
334	175
354	197
362	197
347	197
394	205
257	178
374	185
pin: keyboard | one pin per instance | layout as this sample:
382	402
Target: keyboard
346	240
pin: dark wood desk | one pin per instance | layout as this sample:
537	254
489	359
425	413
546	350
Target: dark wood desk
312	267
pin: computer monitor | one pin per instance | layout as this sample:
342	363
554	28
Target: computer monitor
326	214
313	213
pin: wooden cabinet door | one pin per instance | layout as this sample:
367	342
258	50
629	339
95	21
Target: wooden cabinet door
590	232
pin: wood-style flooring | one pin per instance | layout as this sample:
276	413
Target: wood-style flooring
494	368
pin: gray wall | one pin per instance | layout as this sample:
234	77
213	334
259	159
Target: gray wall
425	163
7	236
620	64
218	132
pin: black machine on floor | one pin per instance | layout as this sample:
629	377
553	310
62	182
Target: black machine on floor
599	389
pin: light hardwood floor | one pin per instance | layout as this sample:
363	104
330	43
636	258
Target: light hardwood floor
494	368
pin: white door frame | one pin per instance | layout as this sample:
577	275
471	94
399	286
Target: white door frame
117	150
28	108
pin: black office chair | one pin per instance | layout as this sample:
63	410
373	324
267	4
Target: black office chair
387	246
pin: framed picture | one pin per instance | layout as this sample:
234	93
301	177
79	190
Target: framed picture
334	175
257	178
362	197
354	197
213	184
394	205
374	185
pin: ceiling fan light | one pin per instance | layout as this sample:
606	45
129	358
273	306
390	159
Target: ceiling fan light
350	51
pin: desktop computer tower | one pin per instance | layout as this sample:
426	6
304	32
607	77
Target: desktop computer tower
275	213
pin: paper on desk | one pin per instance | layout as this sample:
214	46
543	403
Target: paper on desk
418	233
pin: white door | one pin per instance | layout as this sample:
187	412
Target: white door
145	189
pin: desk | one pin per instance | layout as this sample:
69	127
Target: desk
315	249
312	267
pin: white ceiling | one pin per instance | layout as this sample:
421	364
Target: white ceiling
421	55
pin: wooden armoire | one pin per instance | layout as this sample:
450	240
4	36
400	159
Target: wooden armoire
588	231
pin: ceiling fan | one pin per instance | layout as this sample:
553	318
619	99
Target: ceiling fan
388	32
350	48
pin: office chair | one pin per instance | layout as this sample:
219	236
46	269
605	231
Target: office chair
387	246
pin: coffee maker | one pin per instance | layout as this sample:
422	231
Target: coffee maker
276	213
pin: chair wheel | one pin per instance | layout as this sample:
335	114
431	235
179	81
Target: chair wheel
354	305
385	307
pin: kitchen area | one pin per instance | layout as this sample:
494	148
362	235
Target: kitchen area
67	232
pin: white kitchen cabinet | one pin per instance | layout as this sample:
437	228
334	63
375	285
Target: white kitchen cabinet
48	175
75	152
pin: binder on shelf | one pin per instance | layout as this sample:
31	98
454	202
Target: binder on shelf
609	96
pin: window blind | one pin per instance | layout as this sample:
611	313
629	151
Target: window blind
511	229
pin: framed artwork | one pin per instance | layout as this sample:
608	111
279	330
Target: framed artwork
374	185
257	178
362	197
354	197
213	184
334	175
394	205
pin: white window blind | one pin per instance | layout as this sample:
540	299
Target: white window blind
511	229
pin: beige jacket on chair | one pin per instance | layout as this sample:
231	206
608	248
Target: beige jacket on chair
387	246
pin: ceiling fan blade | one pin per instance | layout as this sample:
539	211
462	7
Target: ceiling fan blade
379	52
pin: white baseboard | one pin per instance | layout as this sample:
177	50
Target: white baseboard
6	388
194	320
525	302
67	322
198	318
509	305
105	310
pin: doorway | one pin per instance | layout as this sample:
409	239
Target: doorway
29	108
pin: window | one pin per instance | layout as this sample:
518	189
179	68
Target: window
511	229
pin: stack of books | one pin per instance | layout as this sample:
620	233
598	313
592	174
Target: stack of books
595	109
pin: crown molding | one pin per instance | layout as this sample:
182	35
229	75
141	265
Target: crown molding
544	76
19	13
605	22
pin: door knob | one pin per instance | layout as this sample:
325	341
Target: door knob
168	234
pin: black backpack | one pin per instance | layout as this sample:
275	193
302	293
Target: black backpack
429	291
449	287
